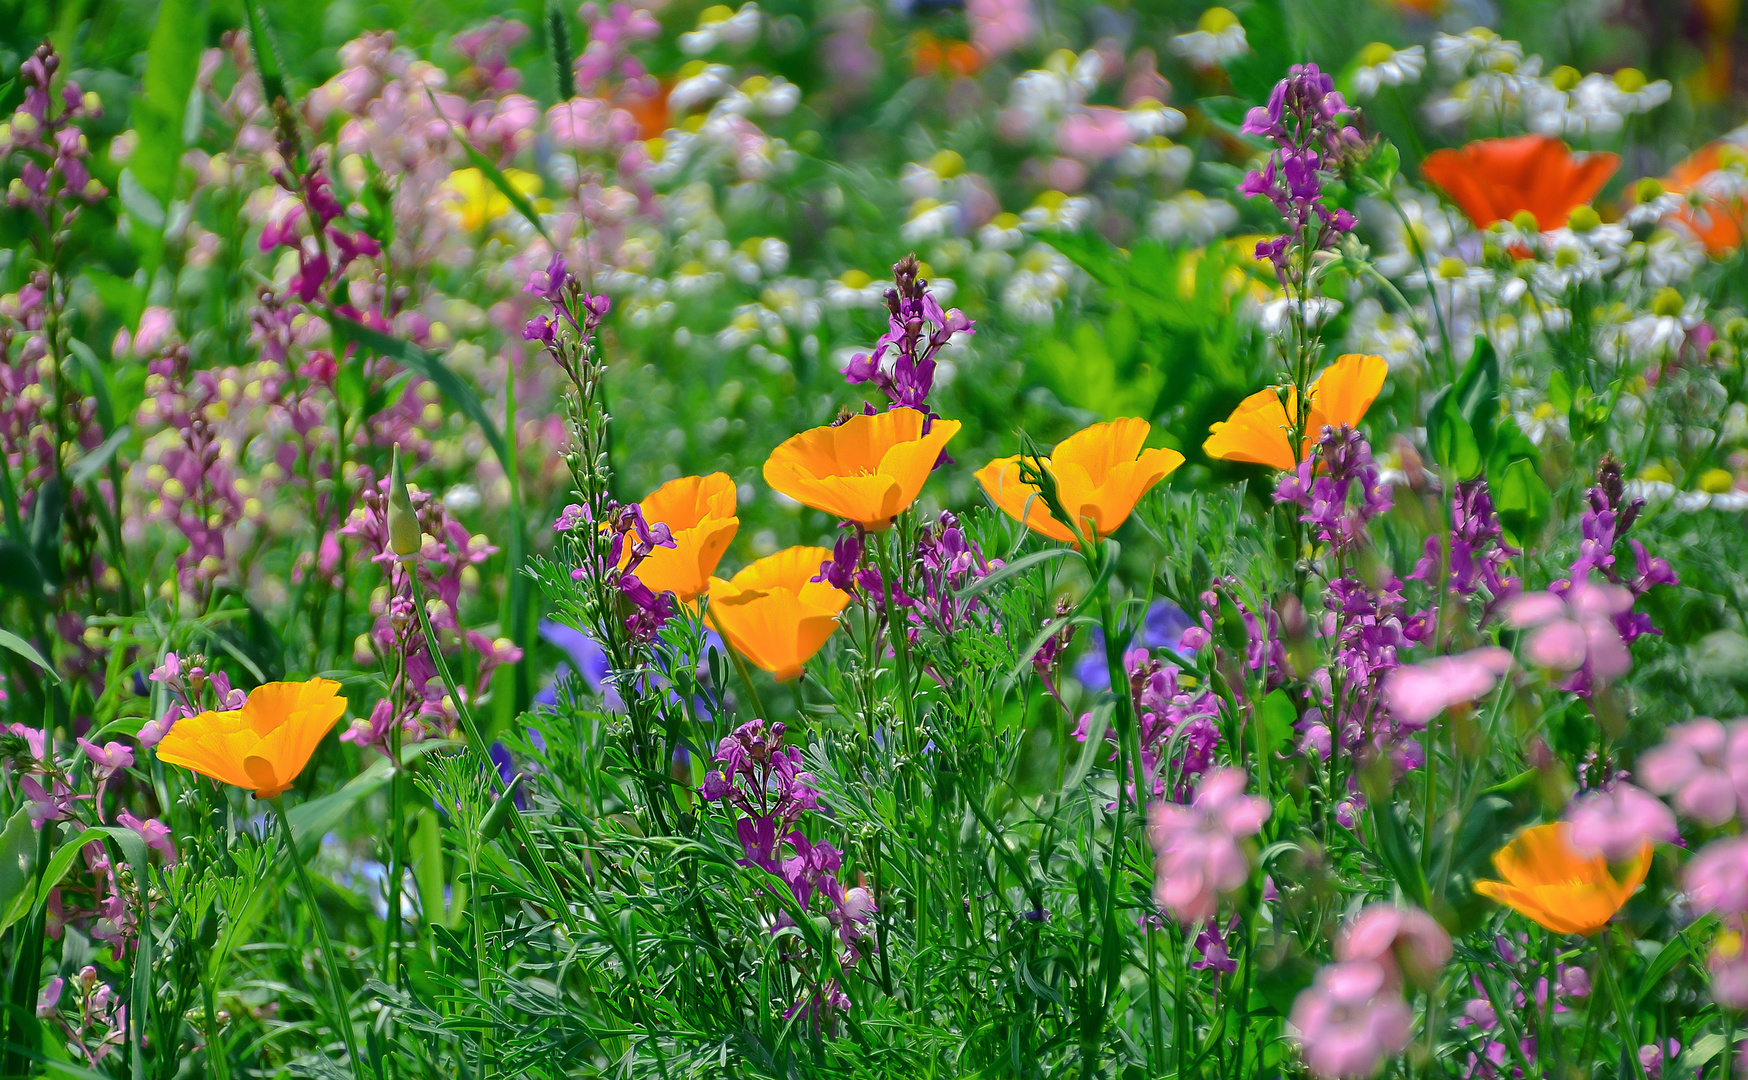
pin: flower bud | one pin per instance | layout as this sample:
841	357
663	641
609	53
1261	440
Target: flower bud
403	524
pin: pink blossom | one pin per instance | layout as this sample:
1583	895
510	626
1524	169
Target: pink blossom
999	27
1618	822
155	833
1575	631
1729	969
36	739
1418	692
108	759
1717	878
46	804
1349	1020
1197	846
50	997
1098	133
1406	942
1703	764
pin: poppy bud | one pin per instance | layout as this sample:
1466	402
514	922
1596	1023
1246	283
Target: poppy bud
403	524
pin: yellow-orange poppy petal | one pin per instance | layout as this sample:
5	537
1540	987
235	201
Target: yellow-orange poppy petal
265	744
1548	882
867	469
1346	389
1100	473
1018	500
1255	433
774	614
1493	179
700	513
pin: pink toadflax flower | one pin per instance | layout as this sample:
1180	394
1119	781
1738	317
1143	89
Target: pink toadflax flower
1406	942
1575	631
1349	1020
1198	846
1703	764
1418	692
1618	822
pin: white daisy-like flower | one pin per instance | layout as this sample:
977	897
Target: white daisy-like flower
761	96
1571	260
928	179
1001	233
1542	422
1656	491
1475	49
699	82
1633	93
1039	281
1455	279
719	25
1275	316
1376	332
1157	156
1591	107
694	278
1054	210
1383	65
1430	230
1191	218
929	219
1217	38
854	289
1667	258
1150	118
1659	332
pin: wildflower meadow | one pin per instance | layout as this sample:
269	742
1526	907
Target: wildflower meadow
874	538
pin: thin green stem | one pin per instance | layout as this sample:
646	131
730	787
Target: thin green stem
337	998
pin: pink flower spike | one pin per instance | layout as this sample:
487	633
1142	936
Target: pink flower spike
1405	942
1199	857
108	759
1617	823
1717	878
1703	766
50	997
1416	693
1349	1020
155	833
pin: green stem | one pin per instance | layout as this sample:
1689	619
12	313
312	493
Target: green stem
342	1016
215	1051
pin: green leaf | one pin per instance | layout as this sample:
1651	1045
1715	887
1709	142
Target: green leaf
499	815
172	63
20	573
58	865
1393	846
314	819
17	866
1460	425
266	52
1094	746
85	470
426	852
427	364
1008	570
1277	717
45	530
1523	501
99	382
1559	392
496	176
146	208
25	649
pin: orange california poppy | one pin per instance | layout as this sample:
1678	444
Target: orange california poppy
1545	880
699	511
1719	224
865	470
648	111
1101	472
931	55
1256	432
264	744
1494	179
774	614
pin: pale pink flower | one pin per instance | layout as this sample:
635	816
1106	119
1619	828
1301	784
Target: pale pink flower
1406	942
1349	1020
1574	631
108	759
50	997
1098	133
1198	847
1703	764
1618	822
1717	878
1729	969
155	833
999	27
1418	692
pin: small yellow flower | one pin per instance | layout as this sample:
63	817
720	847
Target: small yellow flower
476	202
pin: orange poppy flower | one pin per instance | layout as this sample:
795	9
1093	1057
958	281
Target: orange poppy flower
1719	227
1495	179
865	470
699	511
264	744
1256	432
774	614
932	55
1101	472
1545	880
